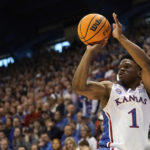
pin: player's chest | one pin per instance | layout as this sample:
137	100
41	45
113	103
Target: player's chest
130	97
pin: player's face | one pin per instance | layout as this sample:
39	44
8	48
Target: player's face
128	71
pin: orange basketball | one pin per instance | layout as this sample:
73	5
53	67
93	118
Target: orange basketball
93	28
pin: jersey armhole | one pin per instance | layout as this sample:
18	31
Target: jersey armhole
111	94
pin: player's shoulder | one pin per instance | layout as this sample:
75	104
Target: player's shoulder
108	87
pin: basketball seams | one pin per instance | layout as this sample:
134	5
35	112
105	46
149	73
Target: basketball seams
79	33
82	35
97	31
88	27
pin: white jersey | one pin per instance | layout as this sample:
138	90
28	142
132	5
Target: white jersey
126	119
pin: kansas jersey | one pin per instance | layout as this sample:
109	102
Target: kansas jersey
126	119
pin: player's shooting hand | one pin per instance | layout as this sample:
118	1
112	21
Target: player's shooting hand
117	27
97	47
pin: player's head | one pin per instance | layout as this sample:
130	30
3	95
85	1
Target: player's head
129	71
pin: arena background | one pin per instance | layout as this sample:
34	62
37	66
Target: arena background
39	52
27	24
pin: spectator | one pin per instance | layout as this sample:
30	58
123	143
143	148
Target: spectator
31	116
20	113
78	125
2	126
4	144
44	115
60	107
35	147
45	143
8	126
79	119
38	126
86	121
60	122
18	139
73	124
70	144
2	135
22	148
68	132
86	135
29	139
84	145
25	106
38	106
16	124
53	105
58	92
46	106
53	131
69	93
71	113
56	144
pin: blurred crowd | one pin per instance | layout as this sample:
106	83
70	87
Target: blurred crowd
39	110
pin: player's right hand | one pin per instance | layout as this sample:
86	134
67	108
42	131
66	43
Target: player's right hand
97	47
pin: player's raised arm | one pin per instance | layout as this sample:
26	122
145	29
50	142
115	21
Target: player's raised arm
92	90
134	50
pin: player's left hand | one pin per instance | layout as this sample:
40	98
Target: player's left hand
117	27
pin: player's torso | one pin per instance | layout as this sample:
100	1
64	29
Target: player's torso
126	118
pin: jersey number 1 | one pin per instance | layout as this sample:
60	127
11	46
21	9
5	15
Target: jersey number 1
134	122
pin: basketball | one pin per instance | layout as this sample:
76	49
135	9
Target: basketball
93	28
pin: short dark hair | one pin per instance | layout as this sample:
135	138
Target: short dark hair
127	56
84	143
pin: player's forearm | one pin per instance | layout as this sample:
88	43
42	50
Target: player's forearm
135	51
80	77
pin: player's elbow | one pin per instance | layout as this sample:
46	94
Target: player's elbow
79	91
77	88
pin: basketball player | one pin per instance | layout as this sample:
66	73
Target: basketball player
126	105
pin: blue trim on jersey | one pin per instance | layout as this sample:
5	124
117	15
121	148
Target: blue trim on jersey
105	139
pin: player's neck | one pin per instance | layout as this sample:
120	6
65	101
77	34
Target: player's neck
132	85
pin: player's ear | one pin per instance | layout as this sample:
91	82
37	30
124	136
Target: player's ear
139	74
